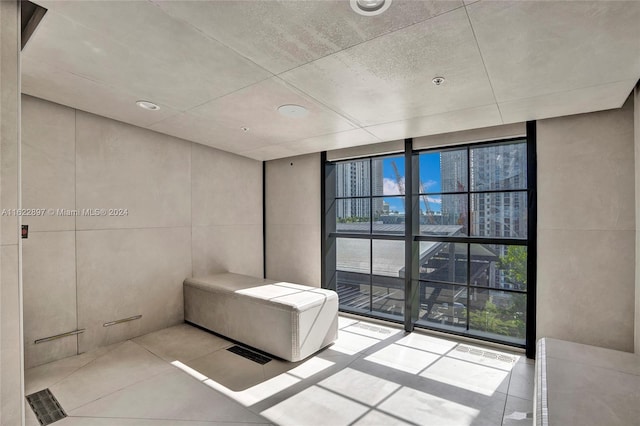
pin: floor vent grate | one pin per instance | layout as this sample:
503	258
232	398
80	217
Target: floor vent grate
485	354
372	328
46	407
248	354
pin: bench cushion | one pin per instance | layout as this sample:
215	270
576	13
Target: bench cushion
287	320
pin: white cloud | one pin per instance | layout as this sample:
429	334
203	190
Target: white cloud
428	184
390	187
434	200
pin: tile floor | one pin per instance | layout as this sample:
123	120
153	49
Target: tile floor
373	375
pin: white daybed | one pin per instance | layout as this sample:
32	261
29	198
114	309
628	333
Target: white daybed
290	321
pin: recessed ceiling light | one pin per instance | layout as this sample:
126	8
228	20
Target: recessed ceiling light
438	80
295	111
148	105
370	7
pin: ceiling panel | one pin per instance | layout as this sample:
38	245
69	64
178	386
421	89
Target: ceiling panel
270	152
596	98
390	78
210	66
280	35
255	107
161	59
47	82
471	118
339	140
210	133
535	48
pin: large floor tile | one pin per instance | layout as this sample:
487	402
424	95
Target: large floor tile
359	386
264	393
351	343
230	370
127	364
403	358
376	331
105	421
432	344
518	412
314	406
423	408
174	396
181	343
46	375
468	376
376	418
522	380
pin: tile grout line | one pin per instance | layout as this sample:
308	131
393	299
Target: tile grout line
79	368
75	219
504	408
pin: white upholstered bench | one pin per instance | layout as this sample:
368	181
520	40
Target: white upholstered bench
585	385
290	321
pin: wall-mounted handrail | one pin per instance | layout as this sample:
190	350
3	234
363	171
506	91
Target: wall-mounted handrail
120	321
59	336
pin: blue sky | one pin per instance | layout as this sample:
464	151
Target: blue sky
429	176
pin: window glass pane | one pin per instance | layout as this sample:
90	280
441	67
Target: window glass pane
443	262
388	258
388	215
353	255
353	264
498	314
444	215
499	167
499	266
353	291
388	297
352	178
443	305
388	175
501	214
352	215
444	171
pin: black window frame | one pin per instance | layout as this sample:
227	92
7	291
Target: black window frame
412	238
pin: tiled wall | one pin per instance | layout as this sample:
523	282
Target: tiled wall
11	402
191	210
586	228
293	219
636	128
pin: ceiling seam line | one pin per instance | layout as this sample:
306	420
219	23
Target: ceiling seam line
207	36
484	65
344	115
368	40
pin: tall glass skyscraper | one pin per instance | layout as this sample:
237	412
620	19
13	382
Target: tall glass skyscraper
358	179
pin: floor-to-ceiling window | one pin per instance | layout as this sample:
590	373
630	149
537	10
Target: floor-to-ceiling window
468	238
472	240
369	235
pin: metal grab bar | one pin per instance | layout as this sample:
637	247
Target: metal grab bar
120	321
59	336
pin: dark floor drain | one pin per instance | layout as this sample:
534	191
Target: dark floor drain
46	407
253	356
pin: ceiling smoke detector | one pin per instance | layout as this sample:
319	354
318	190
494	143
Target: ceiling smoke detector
148	105
438	80
295	111
370	7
